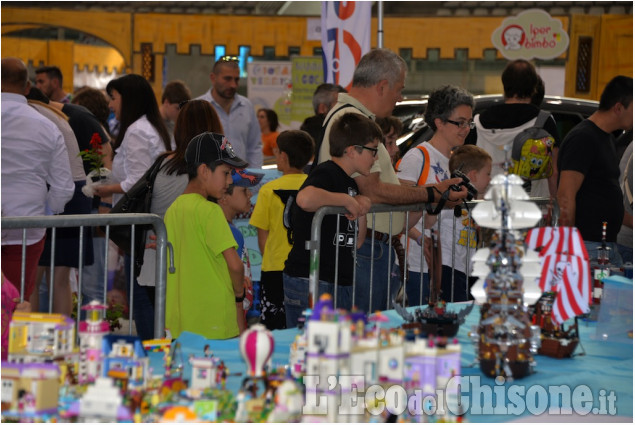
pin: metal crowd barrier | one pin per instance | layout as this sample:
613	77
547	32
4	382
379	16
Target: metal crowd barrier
313	245
107	220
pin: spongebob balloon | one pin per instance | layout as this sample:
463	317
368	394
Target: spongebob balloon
531	151
535	159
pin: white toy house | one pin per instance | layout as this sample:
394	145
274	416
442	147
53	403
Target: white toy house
203	372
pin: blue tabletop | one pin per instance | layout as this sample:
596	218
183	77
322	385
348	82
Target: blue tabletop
601	378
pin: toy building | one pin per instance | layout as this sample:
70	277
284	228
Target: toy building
204	372
125	359
335	348
91	334
40	337
102	402
30	389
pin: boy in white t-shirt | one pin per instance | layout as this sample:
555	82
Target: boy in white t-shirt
476	164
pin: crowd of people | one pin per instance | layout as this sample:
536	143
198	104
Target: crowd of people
345	155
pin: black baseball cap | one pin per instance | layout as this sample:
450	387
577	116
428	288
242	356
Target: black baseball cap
208	147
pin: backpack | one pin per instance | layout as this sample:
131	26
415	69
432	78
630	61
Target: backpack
287	197
531	150
425	166
138	199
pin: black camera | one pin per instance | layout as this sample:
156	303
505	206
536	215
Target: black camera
471	190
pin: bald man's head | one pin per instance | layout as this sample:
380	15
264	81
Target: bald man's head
14	76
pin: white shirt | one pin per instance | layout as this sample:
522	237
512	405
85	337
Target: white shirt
33	154
410	169
464	231
241	128
77	165
140	147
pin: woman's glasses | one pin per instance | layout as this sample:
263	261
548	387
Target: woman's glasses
462	124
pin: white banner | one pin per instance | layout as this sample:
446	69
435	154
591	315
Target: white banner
345	38
269	86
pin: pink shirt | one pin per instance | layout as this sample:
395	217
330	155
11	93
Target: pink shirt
9	292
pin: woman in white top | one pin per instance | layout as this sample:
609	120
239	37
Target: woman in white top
142	135
142	138
449	115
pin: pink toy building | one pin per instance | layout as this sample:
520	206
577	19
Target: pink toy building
91	335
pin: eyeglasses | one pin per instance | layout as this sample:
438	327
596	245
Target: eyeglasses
462	124
372	150
182	104
228	59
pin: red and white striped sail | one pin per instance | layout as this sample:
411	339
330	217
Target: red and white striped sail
557	240
565	269
570	278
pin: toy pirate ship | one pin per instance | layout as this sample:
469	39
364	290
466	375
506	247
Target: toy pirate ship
566	283
435	319
556	341
505	340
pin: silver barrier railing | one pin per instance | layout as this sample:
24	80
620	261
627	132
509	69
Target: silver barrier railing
313	245
107	220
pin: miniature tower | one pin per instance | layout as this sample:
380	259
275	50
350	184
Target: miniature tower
327	355
91	335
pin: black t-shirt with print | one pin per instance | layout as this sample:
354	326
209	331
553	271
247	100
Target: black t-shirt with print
330	177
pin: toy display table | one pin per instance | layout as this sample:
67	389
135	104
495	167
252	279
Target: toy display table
599	376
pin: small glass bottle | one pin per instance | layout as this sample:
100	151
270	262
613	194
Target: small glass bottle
601	269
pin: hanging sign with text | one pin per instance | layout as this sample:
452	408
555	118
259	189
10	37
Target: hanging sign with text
531	34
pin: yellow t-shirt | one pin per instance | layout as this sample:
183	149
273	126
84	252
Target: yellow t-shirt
267	215
199	296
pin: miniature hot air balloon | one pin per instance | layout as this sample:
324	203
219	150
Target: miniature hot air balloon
256	347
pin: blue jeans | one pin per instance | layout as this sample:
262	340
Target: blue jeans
414	289
381	281
93	275
626	252
615	259
296	296
143	309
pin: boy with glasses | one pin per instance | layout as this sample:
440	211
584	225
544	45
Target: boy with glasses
353	148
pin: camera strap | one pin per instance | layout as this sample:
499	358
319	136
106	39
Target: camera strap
444	197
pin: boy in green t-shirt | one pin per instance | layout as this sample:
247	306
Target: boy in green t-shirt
200	295
293	152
